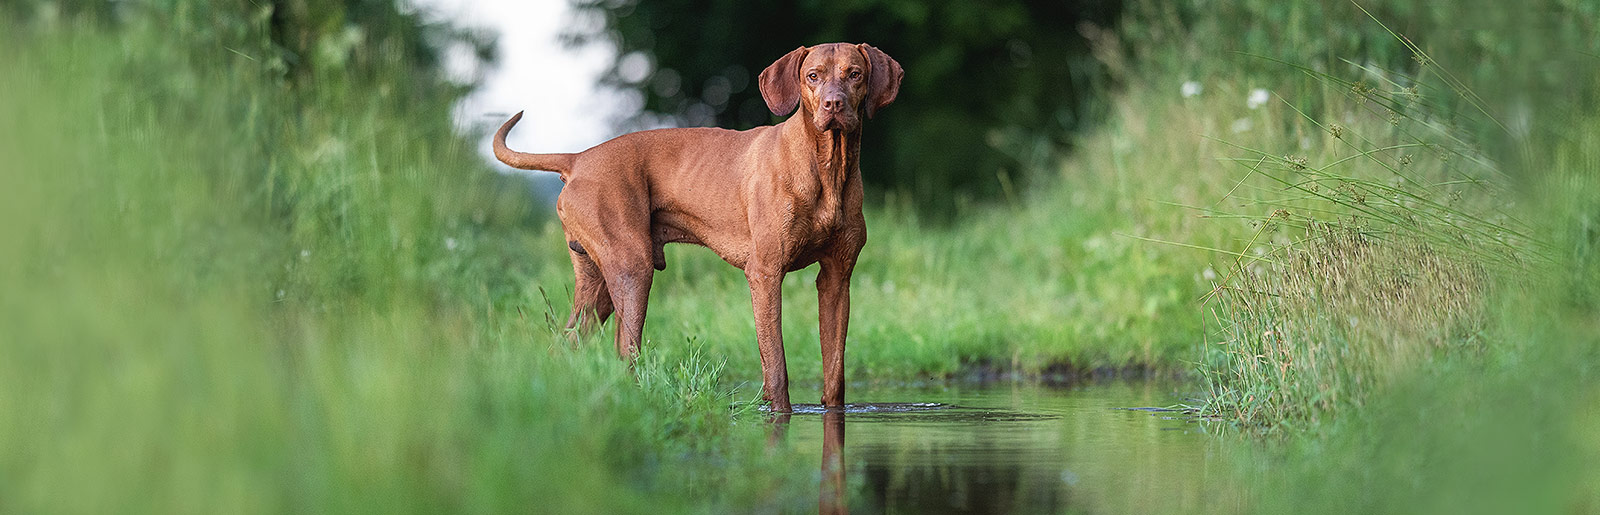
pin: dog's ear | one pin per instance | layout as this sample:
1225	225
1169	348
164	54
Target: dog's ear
780	82
883	78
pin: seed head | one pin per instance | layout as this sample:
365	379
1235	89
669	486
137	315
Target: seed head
1361	91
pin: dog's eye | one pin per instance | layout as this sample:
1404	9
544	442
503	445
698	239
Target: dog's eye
812	76
855	74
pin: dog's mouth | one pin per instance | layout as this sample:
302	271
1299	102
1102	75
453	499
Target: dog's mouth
835	123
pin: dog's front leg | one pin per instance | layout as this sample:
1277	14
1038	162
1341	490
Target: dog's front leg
833	313
766	297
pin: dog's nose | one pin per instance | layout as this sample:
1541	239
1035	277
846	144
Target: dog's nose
833	104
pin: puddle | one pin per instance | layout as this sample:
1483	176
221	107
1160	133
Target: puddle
1003	449
920	412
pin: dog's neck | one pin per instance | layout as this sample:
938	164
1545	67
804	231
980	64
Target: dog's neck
835	156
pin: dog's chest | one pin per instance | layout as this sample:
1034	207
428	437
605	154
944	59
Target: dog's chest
816	213
818	228
819	203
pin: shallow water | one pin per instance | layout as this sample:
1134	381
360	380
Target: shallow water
1006	448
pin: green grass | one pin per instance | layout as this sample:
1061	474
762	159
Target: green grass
1376	246
1411	315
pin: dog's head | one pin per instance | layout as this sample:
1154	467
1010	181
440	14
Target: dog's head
835	83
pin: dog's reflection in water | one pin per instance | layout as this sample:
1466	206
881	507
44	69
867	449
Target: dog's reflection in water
831	496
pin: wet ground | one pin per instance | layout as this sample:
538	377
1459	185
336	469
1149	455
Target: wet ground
1006	448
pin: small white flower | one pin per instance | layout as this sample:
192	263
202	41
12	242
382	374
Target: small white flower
304	254
1190	89
280	294
1241	125
1258	98
1209	274
450	244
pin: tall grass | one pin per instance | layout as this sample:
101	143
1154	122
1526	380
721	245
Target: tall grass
1411	308
1384	237
1360	207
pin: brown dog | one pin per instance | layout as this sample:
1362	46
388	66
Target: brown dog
769	200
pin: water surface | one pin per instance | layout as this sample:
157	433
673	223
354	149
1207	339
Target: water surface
1006	448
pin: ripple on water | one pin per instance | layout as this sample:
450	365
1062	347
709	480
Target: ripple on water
921	412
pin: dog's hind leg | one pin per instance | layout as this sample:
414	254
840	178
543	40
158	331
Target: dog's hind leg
628	279
591	303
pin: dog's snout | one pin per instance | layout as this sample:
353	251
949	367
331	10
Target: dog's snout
833	103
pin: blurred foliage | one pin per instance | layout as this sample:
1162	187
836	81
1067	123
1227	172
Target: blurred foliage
338	113
307	44
1492	67
991	88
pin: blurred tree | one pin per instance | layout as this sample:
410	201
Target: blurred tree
992	89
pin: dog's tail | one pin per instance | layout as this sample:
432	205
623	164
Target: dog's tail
559	163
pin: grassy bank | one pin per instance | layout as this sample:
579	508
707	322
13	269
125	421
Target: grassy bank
1388	215
1410	310
1378	240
